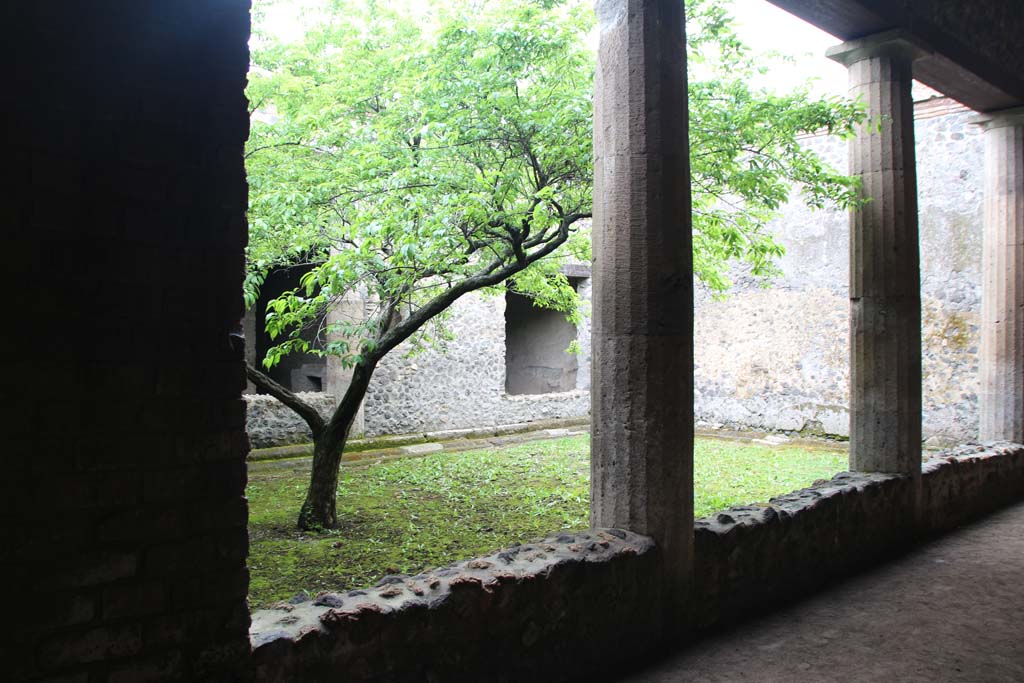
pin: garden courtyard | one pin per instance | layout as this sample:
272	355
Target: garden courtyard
406	516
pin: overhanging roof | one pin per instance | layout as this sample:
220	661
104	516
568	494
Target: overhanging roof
976	48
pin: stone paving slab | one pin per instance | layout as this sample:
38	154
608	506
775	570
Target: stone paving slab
422	448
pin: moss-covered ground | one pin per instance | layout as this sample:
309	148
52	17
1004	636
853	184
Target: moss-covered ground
408	515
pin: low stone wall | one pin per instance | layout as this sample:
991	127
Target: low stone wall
969	481
748	558
753	557
576	604
560	602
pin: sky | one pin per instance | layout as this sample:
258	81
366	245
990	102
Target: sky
761	25
767	29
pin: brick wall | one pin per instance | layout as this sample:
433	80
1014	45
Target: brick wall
123	517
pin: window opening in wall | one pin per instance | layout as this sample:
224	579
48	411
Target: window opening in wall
315	383
295	371
537	340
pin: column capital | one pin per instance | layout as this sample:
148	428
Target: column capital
1003	118
892	43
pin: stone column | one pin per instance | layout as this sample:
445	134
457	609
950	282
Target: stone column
352	310
642	335
1002	311
885	280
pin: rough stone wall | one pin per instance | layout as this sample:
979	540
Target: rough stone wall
574	605
754	557
123	517
548	611
777	358
271	423
773	358
968	481
766	358
461	384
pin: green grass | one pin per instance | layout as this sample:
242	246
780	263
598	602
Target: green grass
409	515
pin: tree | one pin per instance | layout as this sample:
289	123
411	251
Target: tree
414	160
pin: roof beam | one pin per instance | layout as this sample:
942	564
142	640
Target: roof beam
974	48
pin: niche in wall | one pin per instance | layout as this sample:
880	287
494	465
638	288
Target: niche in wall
536	339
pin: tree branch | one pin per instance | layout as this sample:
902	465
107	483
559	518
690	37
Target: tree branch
286	144
495	272
304	410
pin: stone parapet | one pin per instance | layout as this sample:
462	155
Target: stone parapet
579	604
969	481
559	603
752	557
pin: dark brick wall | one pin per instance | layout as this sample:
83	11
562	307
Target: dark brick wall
121	494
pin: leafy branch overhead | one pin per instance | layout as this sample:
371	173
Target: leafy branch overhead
414	161
410	153
746	154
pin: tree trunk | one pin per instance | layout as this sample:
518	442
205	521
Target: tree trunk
319	510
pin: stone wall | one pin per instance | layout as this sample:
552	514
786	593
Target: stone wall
755	557
122	515
557	606
766	358
271	423
461	383
547	611
457	384
777	358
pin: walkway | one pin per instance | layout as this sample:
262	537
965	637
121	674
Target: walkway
951	611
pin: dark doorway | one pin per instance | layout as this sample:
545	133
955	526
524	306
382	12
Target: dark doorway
296	371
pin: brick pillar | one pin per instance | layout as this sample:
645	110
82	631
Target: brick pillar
122	510
1002	312
642	383
885	281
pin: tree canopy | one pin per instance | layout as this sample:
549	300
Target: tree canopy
406	158
415	152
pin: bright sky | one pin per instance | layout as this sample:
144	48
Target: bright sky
761	25
768	29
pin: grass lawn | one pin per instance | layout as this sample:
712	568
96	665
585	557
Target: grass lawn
405	516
